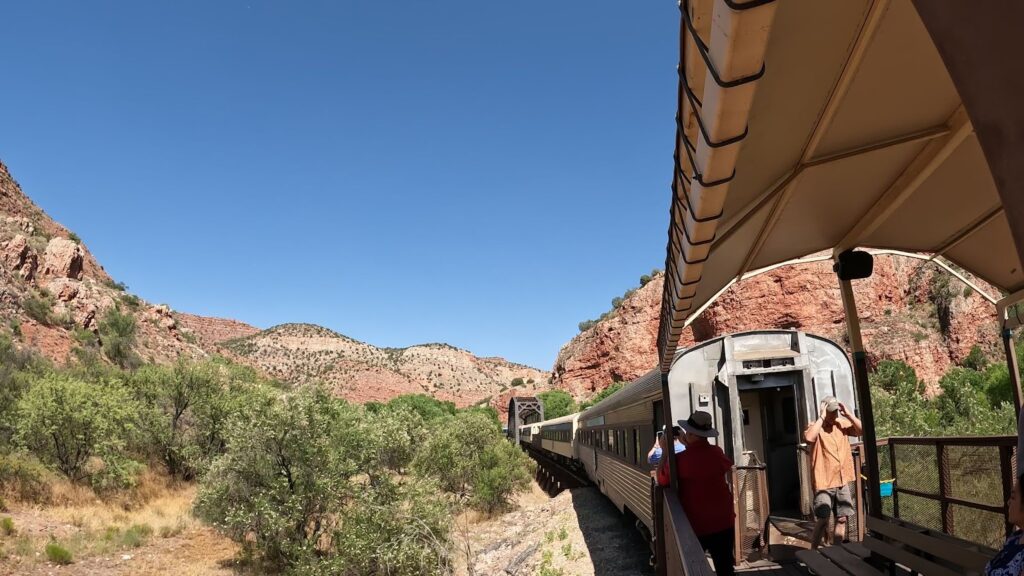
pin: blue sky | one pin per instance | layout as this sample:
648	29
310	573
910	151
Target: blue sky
482	173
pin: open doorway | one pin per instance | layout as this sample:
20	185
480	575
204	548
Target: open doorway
771	432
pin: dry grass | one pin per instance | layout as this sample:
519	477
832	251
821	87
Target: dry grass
87	526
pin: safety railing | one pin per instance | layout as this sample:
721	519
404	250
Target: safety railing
750	498
679	552
958	485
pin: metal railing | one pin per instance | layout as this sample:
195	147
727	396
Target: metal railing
750	501
678	550
958	485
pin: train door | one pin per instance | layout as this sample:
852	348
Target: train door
771	433
782	441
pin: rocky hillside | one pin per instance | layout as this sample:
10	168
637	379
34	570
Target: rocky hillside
53	295
53	292
361	372
909	312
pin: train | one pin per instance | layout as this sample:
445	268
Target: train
762	389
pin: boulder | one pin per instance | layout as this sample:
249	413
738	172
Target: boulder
17	256
162	317
63	259
64	289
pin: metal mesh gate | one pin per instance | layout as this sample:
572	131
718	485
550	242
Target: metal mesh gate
958	486
751	501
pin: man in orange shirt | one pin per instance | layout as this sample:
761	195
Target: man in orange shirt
832	466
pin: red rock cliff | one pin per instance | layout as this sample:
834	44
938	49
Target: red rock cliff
897	305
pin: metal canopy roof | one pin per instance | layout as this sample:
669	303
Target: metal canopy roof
809	126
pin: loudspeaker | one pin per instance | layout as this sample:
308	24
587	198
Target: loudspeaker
854	265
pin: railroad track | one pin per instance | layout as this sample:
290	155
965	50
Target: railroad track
554	476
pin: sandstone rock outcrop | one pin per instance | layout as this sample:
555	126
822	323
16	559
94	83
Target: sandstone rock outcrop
212	331
899	318
64	289
19	257
63	259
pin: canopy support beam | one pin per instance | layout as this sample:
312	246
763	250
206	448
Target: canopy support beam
920	168
860	376
1013	366
867	31
771	192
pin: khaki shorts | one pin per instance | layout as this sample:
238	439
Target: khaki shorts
833	500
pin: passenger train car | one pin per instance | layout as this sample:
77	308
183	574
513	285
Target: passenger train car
762	389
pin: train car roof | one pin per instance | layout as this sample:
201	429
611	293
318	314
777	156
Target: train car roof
634	391
561	420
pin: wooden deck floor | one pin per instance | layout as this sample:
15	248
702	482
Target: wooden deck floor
790	568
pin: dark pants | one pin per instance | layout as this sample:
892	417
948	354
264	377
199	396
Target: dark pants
720	546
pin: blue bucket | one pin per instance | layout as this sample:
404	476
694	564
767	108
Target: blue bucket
886	488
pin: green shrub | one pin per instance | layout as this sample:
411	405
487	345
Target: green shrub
487	410
15	364
390	438
85	338
7	526
586	325
644	280
452	450
517	382
24	477
285	475
557	403
66	422
395	529
112	284
136	535
15	326
65	320
38	308
502	471
428	407
179	404
117	334
132	301
74	238
975	360
58	554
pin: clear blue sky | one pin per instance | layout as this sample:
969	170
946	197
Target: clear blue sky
482	173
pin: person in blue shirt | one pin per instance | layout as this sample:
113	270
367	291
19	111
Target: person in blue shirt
654	455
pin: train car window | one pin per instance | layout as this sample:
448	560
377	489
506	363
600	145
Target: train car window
611	440
636	446
622	443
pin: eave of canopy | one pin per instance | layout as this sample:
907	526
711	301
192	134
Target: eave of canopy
856	137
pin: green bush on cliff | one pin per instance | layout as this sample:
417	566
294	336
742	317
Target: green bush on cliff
117	334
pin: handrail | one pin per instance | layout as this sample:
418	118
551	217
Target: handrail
683	545
945	494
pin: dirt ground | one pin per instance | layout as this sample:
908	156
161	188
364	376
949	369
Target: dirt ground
165	540
577	533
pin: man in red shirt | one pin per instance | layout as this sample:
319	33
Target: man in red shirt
704	491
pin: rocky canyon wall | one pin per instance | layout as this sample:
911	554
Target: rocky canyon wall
910	311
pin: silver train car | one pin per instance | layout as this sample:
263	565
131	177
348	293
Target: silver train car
762	388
